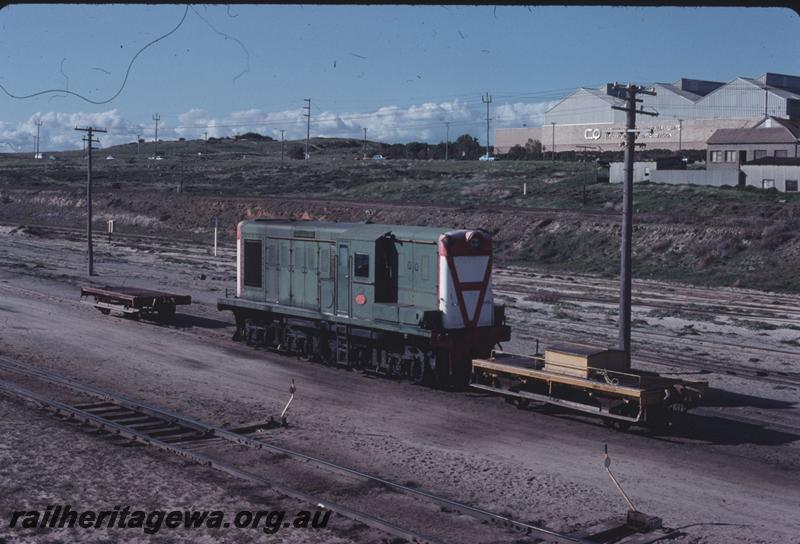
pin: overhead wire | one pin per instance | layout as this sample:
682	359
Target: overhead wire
124	81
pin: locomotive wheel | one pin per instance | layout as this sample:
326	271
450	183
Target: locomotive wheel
306	352
418	371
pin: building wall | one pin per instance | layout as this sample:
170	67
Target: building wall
755	174
668	104
669	134
740	97
712	178
749	149
583	107
642	171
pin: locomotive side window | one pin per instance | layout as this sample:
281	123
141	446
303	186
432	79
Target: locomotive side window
361	265
252	263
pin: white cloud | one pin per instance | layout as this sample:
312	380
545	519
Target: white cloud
391	123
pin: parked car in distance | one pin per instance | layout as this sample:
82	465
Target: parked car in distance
485	158
378	157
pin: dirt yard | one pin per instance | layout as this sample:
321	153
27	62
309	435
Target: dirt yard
731	476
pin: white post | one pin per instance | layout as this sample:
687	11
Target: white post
524	189
216	225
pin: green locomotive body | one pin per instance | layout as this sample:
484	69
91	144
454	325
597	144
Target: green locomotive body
395	300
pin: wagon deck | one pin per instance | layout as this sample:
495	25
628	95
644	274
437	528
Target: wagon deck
621	398
134	301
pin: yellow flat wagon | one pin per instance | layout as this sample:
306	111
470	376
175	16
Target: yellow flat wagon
590	380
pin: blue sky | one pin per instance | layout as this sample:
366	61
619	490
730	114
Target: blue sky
399	71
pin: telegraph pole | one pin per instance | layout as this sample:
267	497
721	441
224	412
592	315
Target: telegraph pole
205	145
587	168
447	139
487	100
156	118
180	183
282	140
364	151
138	141
553	147
38	124
307	107
89	140
627	212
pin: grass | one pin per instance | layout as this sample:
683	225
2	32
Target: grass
699	235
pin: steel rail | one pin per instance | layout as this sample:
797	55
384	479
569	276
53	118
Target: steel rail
749	372
208	461
210	430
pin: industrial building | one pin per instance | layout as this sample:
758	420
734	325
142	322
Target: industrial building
764	156
689	112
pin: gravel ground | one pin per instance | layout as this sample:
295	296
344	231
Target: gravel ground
725	482
47	462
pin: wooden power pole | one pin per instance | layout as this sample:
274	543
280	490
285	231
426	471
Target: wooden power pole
307	107
487	100
627	212
89	140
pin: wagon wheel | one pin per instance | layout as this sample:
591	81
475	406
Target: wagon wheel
104	311
461	374
677	415
166	312
522	403
618	424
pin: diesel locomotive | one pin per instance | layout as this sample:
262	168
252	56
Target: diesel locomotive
401	301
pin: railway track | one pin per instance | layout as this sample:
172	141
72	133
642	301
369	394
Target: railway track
676	359
643	299
186	437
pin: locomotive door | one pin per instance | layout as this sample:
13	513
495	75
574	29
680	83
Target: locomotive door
304	274
327	272
272	270
343	280
284	272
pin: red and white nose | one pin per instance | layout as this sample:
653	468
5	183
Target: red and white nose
465	287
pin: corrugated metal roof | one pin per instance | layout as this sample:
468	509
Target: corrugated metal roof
790	125
601	94
777	91
680	92
776	135
775	161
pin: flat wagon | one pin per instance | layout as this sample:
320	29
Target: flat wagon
588	379
134	301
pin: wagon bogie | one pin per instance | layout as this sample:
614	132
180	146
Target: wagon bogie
135	302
